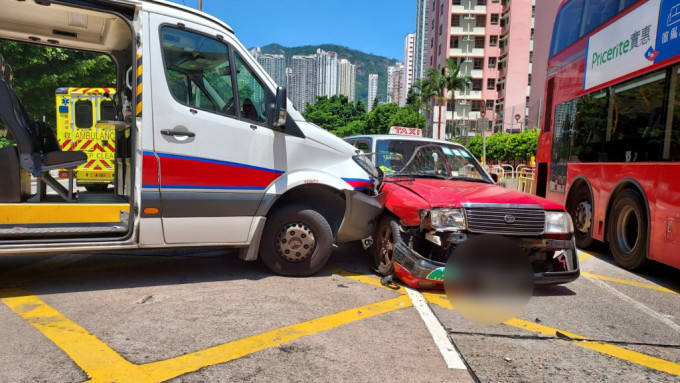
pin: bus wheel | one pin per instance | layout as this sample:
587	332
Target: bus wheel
297	241
98	188
628	233
383	245
580	207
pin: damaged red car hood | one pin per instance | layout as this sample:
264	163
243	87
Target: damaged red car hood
455	193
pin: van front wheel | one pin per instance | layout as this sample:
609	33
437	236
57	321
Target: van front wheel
297	241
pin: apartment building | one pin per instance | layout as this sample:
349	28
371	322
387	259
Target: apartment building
372	91
409	66
493	41
275	65
421	39
326	73
347	73
303	81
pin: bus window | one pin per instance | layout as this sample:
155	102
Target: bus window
590	127
671	150
625	4
639	120
567	26
565	115
83	114
596	13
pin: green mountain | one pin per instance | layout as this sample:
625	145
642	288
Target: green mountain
366	63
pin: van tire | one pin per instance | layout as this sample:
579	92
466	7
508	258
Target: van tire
296	241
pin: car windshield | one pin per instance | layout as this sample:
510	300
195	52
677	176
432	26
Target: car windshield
422	159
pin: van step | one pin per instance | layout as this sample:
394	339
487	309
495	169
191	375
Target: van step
7	231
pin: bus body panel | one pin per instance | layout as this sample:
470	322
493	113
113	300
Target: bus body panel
658	181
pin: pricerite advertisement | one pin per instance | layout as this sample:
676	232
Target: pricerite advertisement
644	37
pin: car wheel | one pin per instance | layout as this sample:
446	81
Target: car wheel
580	207
628	235
96	188
296	241
386	235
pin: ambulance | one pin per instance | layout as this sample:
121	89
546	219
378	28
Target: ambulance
78	110
208	151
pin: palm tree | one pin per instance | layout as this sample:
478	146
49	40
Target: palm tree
421	93
454	80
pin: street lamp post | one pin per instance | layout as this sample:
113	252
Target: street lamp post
517	117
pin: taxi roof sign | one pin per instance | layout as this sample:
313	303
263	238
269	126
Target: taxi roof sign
406	131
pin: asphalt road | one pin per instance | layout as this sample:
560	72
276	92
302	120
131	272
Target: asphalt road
204	315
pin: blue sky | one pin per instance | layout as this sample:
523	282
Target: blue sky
371	26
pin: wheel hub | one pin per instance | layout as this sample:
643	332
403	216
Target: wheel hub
295	242
386	246
583	217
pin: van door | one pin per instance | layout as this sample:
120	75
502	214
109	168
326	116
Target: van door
211	135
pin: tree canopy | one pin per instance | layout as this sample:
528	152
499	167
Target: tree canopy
40	70
502	147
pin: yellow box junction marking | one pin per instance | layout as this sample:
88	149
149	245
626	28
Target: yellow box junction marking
103	364
627	282
582	255
60	213
639	358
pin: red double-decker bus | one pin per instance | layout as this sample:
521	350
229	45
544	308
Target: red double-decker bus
610	142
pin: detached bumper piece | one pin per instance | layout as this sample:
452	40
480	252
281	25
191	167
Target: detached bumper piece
554	262
415	270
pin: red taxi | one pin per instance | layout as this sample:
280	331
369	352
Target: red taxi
437	196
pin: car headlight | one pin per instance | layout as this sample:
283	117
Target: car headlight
558	222
442	219
365	163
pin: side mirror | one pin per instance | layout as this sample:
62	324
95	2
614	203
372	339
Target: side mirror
280	109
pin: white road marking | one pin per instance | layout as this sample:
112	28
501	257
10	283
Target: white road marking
439	335
637	304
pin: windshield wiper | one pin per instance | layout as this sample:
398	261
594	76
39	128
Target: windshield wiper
471	179
429	175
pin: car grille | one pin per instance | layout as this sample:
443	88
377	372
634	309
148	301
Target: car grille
500	220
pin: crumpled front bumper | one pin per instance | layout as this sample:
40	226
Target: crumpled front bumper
419	272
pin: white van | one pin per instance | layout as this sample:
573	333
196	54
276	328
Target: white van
209	152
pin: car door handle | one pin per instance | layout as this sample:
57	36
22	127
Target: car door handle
169	132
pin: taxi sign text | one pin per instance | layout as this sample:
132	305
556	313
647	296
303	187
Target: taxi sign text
406	131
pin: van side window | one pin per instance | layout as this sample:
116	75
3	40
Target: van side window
84	118
252	95
198	70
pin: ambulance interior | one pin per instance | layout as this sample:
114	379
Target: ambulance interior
40	196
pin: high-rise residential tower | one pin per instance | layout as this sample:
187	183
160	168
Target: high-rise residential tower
395	86
275	65
346	79
303	81
372	90
421	38
327	73
409	68
493	41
